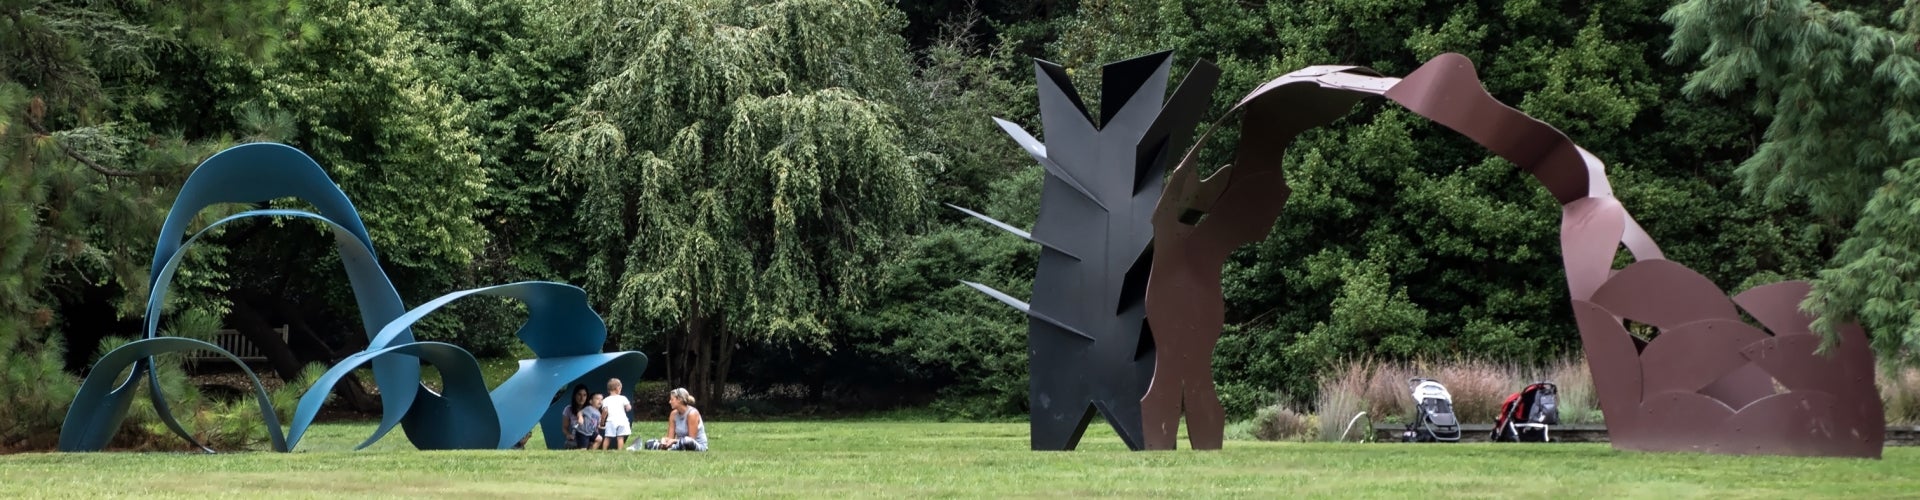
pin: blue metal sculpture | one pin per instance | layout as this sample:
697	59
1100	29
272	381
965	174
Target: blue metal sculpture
565	334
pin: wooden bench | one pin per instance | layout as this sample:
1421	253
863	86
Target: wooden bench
235	342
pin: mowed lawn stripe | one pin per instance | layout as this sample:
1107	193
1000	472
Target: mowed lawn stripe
934	459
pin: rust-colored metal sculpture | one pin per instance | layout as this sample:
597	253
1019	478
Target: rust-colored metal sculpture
1705	383
1196	225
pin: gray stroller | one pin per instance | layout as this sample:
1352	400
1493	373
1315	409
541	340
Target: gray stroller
1433	419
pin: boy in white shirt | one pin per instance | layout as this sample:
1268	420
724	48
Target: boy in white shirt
617	406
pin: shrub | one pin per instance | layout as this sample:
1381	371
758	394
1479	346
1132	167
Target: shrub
1278	422
1343	395
37	390
1478	389
1242	400
1575	385
1900	392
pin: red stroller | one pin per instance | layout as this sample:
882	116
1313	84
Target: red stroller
1527	416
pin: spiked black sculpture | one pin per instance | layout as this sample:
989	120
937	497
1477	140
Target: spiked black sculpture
1088	348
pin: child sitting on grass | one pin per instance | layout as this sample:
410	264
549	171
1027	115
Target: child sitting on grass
586	425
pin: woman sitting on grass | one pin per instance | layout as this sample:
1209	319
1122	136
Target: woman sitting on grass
570	416
686	431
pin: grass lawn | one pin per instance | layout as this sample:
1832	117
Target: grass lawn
921	459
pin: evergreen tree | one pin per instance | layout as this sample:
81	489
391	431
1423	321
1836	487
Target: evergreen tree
103	109
1841	88
922	320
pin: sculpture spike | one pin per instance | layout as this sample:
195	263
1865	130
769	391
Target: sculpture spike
1022	306
1122	81
1016	231
1039	153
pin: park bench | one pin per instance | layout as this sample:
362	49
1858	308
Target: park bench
235	342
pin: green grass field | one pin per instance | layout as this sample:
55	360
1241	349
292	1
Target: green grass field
931	459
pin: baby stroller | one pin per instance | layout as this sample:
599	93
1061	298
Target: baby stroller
1527	415
1433	419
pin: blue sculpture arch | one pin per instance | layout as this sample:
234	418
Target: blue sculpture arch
562	329
365	275
86	430
562	359
260	172
460	374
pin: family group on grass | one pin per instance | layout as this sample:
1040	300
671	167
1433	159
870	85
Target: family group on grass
599	421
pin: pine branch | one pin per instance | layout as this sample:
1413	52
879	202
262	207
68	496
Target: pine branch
33	122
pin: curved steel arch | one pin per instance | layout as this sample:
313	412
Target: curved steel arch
105	416
1705	384
90	427
470	425
259	172
563	331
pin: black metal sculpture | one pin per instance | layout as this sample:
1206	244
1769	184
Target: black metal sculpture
1087	345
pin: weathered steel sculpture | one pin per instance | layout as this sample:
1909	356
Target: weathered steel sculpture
1086	348
1706	383
1196	226
563	332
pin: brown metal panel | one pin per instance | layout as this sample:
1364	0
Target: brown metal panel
1741	387
1447	90
1590	231
1792	360
1615	364
1855	355
1777	306
1197	225
1695	355
1665	294
1675	421
1800	423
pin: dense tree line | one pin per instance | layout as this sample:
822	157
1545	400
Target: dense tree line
752	190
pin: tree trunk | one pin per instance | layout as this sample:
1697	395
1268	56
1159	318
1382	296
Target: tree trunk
703	369
724	349
667	359
698	359
253	321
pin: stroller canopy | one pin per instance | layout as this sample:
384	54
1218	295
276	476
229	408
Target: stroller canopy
1433	420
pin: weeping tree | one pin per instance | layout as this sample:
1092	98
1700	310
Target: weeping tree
1840	83
743	171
